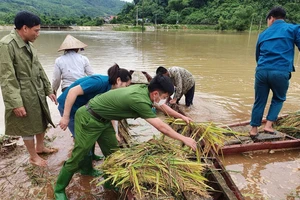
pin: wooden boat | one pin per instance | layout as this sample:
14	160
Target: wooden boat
140	77
218	178
221	181
263	142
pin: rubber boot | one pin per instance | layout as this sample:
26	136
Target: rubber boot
109	186
94	156
86	167
62	182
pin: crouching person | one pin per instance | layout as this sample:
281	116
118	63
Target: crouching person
93	122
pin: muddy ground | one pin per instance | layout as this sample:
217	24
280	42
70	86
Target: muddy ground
20	180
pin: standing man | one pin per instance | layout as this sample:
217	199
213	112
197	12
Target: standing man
184	82
25	86
275	51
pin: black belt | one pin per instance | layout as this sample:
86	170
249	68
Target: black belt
98	117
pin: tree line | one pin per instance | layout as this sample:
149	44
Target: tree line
221	14
237	15
47	19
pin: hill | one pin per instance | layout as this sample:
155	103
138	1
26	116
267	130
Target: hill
237	15
62	8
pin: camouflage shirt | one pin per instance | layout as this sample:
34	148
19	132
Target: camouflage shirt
182	79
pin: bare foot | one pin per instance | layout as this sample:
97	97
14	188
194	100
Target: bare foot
47	150
269	130
38	161
253	131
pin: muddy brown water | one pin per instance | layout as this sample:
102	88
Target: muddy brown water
223	65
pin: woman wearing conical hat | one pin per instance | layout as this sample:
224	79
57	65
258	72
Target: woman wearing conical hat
71	65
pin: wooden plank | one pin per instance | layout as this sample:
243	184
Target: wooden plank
239	148
229	182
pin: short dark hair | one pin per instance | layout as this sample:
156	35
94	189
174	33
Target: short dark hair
161	70
276	12
115	72
26	18
161	83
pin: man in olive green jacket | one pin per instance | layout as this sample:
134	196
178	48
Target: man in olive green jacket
24	86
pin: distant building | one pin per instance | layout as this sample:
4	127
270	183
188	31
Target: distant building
107	19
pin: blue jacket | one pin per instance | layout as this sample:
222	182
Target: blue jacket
275	48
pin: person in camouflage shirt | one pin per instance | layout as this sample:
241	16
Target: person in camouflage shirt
183	81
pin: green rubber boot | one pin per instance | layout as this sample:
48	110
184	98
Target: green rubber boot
96	157
86	167
109	186
62	182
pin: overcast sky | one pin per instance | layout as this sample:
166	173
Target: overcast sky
127	0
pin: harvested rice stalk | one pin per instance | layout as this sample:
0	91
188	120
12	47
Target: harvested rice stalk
155	167
213	136
289	124
123	132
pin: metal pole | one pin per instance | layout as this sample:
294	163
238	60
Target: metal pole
137	16
143	16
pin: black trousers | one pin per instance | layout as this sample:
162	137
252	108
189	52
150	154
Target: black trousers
189	96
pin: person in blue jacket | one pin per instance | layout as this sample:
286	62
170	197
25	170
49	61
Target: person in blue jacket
275	51
79	93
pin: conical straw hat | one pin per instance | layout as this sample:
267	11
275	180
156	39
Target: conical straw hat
71	43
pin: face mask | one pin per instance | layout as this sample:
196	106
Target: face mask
161	102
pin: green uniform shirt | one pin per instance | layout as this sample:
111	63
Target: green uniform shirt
129	102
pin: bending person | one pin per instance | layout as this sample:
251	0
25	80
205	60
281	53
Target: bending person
92	122
79	93
183	81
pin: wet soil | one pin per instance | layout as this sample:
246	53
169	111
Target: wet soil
19	180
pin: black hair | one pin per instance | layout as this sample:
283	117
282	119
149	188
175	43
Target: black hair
26	18
161	83
115	72
276	12
161	70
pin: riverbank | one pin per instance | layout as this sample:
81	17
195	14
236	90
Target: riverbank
124	27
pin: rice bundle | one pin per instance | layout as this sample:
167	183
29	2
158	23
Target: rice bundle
209	135
163	168
289	124
155	168
123	133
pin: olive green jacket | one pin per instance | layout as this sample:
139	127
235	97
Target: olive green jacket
23	83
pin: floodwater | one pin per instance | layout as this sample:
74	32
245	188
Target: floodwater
266	176
223	66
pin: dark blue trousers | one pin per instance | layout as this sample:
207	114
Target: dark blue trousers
266	81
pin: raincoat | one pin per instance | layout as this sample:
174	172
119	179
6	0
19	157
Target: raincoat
23	83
